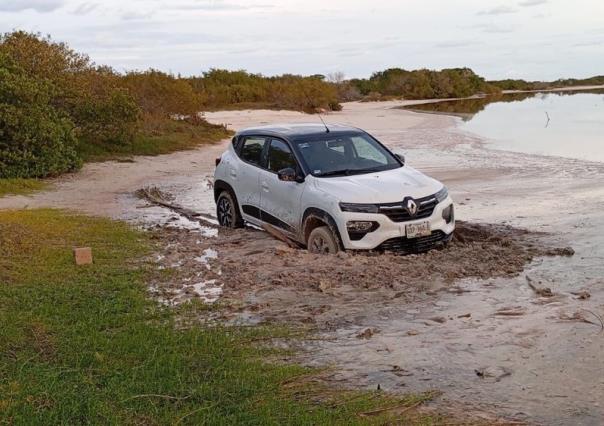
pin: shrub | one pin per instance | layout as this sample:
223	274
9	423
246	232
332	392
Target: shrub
424	84
36	139
161	94
224	88
100	109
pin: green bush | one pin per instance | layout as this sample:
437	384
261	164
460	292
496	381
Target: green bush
240	89
36	139
91	96
424	84
109	118
163	95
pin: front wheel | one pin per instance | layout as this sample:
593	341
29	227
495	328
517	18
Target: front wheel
227	211
322	241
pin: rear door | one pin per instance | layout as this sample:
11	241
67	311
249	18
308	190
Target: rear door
280	200
245	176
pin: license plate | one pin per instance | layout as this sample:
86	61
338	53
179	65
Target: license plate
414	230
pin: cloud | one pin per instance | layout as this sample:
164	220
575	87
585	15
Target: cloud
492	28
529	3
499	10
85	8
41	6
454	44
589	43
135	16
215	5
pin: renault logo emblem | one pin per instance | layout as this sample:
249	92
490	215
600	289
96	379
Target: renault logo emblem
411	206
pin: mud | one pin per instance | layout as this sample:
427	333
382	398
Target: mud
268	281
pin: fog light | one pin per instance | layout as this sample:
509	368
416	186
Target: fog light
360	226
449	214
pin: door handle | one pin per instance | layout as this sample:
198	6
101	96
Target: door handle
265	186
233	173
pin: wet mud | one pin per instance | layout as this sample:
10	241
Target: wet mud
269	281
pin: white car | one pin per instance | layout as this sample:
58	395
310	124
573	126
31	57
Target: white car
330	188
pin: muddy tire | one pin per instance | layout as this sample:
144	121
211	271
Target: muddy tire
227	211
322	241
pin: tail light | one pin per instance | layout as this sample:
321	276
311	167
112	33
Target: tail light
218	161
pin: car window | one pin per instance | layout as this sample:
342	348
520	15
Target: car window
368	151
345	155
280	156
251	151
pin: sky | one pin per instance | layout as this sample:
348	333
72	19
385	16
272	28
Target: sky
530	39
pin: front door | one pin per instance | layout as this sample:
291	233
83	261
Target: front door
280	200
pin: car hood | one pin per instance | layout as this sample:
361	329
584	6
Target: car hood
380	187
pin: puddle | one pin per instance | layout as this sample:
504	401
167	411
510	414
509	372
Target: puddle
209	291
206	256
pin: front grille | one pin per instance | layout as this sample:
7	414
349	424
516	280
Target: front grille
414	245
398	213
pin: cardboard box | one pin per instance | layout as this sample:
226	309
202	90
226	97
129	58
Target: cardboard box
82	255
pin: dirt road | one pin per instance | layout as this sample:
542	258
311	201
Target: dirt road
488	340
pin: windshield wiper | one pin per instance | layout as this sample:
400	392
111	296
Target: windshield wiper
344	172
348	172
370	169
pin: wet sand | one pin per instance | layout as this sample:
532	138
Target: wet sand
517	354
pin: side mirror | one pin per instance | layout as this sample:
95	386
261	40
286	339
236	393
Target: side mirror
287	175
401	157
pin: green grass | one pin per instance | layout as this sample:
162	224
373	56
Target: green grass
156	137
85	345
20	186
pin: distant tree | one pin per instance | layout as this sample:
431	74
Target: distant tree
336	77
423	83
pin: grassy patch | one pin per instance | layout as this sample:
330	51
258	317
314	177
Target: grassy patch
20	186
156	137
85	344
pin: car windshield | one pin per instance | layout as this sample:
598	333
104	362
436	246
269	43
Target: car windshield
345	155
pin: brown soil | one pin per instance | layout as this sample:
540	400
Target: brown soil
263	278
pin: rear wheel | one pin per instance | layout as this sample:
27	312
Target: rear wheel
322	241
227	211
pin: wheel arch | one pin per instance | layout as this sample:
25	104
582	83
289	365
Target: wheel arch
313	218
220	186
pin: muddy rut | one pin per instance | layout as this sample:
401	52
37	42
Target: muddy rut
280	283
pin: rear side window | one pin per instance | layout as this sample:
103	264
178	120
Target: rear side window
280	156
252	148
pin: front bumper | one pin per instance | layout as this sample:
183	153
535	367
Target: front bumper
390	235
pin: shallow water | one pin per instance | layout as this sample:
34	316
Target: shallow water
563	124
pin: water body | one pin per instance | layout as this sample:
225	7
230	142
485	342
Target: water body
563	124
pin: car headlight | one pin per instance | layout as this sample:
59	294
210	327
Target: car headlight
359	208
361	226
442	194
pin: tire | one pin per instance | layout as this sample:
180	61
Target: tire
322	241
227	211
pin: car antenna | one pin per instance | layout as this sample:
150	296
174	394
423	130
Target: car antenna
321	118
318	113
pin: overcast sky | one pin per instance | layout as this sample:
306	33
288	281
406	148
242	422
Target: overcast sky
531	39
